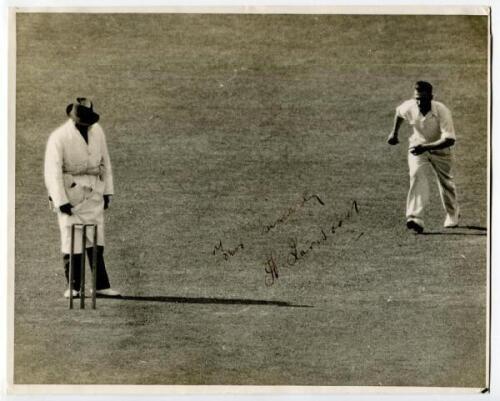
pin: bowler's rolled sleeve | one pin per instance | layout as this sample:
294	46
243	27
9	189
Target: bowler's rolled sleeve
403	109
446	123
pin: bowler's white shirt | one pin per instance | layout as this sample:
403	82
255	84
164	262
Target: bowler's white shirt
436	124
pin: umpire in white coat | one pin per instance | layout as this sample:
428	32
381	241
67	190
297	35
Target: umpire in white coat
79	181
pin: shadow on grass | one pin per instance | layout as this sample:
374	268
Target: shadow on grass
220	301
478	228
474	228
448	233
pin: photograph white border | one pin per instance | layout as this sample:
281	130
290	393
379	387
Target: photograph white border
7	177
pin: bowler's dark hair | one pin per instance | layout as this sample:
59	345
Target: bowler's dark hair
423	86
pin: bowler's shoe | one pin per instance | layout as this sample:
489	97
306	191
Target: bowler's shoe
107	293
451	220
76	294
413	225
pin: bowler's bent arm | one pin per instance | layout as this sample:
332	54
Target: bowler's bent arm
393	136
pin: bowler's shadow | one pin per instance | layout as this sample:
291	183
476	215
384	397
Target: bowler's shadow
217	301
452	231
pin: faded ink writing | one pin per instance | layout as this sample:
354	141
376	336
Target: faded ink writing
291	210
295	252
271	271
226	253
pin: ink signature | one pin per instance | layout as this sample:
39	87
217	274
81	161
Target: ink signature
271	271
295	253
291	210
226	253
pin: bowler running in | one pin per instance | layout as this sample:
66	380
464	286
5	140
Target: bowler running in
430	148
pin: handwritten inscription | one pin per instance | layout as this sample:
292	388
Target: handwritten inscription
226	253
271	270
291	210
295	252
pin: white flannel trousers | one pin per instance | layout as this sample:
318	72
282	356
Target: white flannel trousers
441	162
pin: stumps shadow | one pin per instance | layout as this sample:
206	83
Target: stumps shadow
218	301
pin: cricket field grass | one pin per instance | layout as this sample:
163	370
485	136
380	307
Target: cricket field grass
257	232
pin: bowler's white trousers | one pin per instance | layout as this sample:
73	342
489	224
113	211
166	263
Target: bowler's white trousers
441	162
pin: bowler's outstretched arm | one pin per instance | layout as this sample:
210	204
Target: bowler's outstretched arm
393	136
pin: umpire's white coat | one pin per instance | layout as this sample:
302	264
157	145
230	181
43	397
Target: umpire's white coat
80	174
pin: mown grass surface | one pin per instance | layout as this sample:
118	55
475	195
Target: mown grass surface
217	125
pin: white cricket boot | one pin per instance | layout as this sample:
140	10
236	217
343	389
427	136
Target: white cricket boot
75	293
452	220
107	292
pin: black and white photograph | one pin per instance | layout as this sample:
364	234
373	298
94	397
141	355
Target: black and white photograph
238	197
